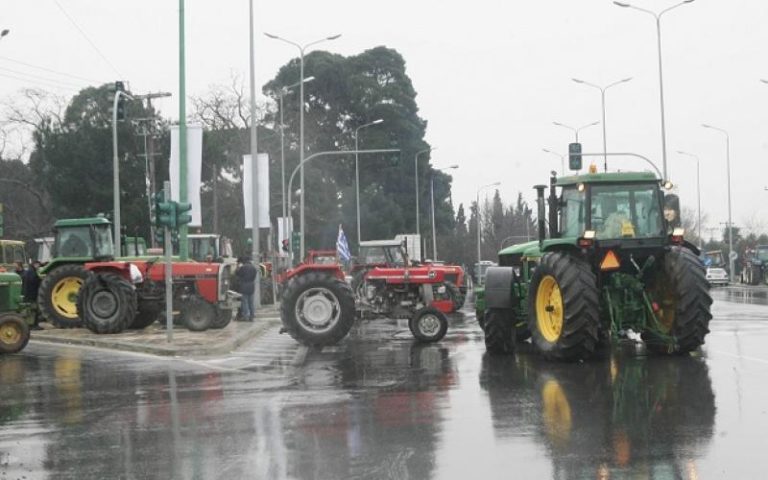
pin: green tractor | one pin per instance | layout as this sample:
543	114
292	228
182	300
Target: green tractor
15	316
610	267
76	241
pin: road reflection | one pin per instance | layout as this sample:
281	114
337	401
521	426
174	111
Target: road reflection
604	419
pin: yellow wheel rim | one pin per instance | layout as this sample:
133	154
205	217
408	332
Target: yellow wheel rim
549	309
557	412
64	296
10	333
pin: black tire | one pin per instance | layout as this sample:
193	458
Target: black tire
223	317
456	297
334	308
56	305
428	325
498	332
107	303
197	314
14	333
681	289
579	298
148	313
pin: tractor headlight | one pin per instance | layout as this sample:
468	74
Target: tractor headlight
432	274
136	276
224	281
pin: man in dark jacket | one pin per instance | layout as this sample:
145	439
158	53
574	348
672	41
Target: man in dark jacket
30	285
246	277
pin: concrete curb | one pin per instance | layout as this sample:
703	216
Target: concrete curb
264	320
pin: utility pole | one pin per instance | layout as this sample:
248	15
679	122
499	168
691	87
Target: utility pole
148	132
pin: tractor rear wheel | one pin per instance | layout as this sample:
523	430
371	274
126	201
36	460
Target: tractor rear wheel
681	291
107	303
57	296
563	307
498	332
197	314
318	309
14	333
428	325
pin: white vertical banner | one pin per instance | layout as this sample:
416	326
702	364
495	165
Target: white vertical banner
262	175
194	169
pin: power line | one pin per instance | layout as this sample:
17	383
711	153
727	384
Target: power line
40	82
32	75
50	70
93	45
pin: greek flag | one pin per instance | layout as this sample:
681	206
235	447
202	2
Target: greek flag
342	246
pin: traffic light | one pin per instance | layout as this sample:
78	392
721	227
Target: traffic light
182	217
120	87
166	216
295	241
574	156
160	237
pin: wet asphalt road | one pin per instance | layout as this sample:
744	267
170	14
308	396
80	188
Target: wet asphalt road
380	406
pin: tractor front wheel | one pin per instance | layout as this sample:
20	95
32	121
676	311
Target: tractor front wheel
148	313
14	333
428	325
318	309
197	314
681	291
107	303
563	306
223	317
57	296
498	332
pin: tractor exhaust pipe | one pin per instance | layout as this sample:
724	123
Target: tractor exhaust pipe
554	232
541	213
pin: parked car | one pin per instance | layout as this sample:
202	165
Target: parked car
717	276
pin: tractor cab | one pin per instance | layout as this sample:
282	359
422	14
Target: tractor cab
83	238
611	206
205	247
388	253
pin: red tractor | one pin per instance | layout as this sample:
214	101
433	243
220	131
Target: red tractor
392	254
318	306
131	294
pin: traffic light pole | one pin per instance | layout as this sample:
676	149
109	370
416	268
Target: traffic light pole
183	245
168	250
116	172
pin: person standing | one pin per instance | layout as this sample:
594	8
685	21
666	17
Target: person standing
29	286
246	277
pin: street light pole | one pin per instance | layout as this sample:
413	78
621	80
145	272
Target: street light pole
116	173
698	190
432	197
302	49
357	176
731	260
322	154
657	16
416	168
602	96
477	205
283	92
562	159
575	130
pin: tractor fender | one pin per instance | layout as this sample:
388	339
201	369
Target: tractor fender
498	287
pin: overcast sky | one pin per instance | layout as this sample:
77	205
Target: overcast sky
491	75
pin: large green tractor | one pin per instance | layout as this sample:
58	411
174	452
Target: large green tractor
606	266
76	241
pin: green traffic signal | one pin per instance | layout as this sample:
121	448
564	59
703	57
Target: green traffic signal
574	156
182	217
166	215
